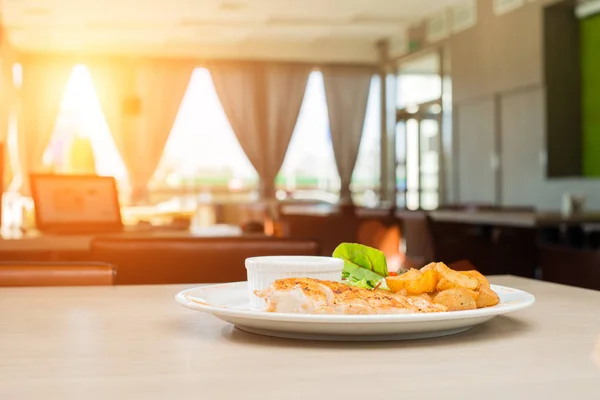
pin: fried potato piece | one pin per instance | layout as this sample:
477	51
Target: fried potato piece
449	279
445	284
487	297
430	266
457	290
456	299
479	276
413	282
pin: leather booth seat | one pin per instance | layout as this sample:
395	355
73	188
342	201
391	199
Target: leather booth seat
190	260
56	274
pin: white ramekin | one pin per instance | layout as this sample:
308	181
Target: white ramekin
263	271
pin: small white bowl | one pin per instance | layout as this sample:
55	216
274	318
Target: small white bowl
263	271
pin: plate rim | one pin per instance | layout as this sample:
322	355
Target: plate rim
182	298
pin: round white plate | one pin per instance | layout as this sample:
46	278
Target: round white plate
230	303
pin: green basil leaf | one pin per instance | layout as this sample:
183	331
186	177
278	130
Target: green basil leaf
362	262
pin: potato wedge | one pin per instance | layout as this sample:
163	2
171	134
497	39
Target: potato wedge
457	299
479	276
445	284
487	297
411	274
449	279
413	282
430	266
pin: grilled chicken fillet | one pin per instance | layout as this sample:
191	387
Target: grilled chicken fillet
313	296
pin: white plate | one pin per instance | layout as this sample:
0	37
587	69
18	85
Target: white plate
230	303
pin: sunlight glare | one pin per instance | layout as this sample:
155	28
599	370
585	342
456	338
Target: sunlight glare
81	117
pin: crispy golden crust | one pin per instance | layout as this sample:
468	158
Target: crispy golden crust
307	295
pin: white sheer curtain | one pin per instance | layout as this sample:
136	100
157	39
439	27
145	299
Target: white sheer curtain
140	136
262	103
44	83
347	93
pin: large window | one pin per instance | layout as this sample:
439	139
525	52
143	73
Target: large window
202	154
366	176
309	170
419	81
81	141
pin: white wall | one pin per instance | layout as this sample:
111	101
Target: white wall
499	103
523	145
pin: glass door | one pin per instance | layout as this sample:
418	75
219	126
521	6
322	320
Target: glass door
429	165
418	145
401	186
418	132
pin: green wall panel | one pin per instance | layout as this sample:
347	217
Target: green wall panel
590	82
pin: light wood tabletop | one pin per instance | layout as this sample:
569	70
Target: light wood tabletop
136	342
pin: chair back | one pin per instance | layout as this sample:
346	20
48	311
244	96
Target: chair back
56	274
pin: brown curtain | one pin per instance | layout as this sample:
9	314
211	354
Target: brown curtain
262	102
347	93
114	83
7	100
152	91
44	83
161	87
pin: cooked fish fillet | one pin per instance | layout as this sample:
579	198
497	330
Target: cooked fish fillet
313	296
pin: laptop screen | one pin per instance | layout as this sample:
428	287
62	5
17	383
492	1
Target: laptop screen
75	200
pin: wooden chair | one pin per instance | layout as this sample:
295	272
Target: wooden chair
56	274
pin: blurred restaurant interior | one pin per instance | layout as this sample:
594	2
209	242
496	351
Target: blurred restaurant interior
166	138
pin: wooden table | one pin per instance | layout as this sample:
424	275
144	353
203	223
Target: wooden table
519	219
137	343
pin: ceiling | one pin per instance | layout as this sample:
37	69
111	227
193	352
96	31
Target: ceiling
306	30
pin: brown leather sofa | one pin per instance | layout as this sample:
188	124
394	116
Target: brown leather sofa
56	274
190	260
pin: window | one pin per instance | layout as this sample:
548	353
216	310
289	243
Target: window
419	81
309	170
366	175
418	133
202	153
12	152
17	75
81	141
